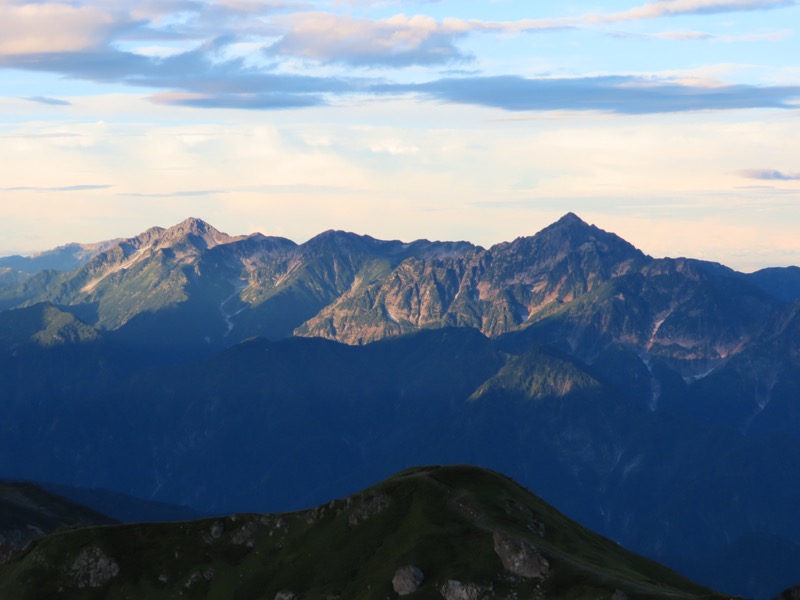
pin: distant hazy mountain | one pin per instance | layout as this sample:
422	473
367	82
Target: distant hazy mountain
63	258
11	277
123	508
783	283
655	400
28	513
438	532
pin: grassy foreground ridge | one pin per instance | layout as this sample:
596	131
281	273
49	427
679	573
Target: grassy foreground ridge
470	533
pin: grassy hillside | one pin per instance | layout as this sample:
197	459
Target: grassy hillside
454	524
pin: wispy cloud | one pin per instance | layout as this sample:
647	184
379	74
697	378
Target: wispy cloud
194	78
50	101
769	175
701	36
671	8
66	188
245	101
178	194
615	94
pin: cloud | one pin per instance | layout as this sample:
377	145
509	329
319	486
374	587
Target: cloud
693	36
614	94
66	188
46	100
53	28
671	8
261	6
769	175
180	194
398	41
245	101
377	3
193	78
401	40
250	65
394	148
685	36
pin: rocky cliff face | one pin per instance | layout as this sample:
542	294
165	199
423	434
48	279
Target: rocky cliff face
581	286
496	291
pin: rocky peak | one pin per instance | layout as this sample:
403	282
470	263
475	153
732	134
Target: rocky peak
336	237
339	245
570	219
194	232
595	252
146	238
570	233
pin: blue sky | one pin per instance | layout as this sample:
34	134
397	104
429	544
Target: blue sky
673	123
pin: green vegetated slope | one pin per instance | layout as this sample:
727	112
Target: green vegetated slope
467	530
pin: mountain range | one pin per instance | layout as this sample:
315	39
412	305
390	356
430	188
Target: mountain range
653	400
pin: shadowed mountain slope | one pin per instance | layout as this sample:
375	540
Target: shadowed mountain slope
436	532
28	512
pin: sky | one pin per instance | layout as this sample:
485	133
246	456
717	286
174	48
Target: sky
673	123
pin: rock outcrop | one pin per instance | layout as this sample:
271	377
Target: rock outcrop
520	558
371	505
407	580
93	568
457	590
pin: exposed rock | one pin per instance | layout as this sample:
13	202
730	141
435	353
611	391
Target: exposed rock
370	505
456	590
93	568
520	557
316	514
205	575
620	595
245	535
536	527
273	522
407	580
285	595
217	529
515	509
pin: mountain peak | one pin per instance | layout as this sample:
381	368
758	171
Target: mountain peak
571	232
195	232
193	225
570	219
338	239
